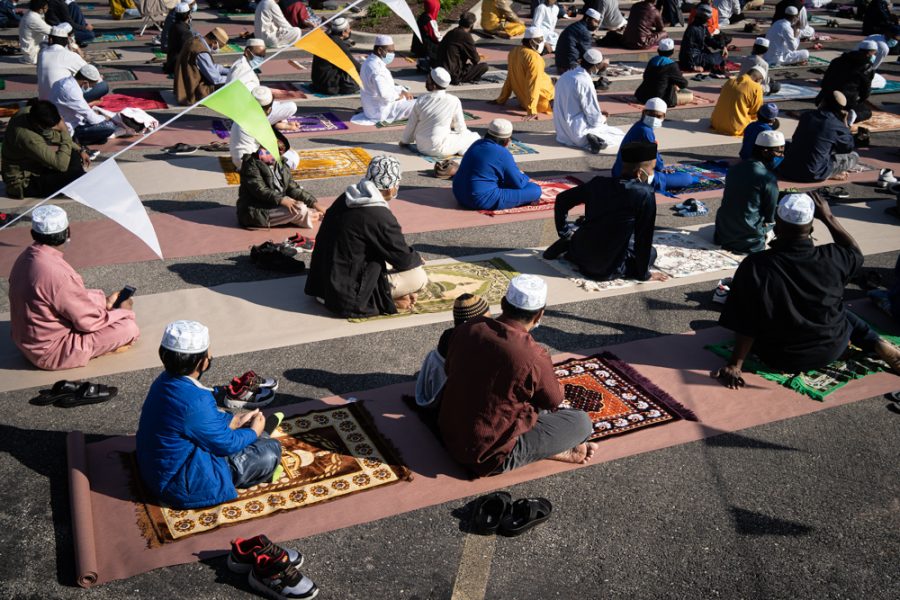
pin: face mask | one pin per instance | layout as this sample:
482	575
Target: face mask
872	59
194	7
388	58
256	61
540	48
891	43
214	50
653	122
650	178
536	325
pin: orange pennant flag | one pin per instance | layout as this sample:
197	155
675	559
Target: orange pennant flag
318	43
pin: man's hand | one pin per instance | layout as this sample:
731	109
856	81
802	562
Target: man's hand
658	276
823	210
698	69
406	95
61	126
238	421
291	205
89	27
730	376
533	117
318	209
258	423
85	160
111	299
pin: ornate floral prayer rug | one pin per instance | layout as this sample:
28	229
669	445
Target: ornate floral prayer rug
879	121
100	56
446	282
818	383
326	454
617	398
314	164
311	123
630	100
126	98
711	174
550	188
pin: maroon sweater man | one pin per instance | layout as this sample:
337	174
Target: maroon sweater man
498	408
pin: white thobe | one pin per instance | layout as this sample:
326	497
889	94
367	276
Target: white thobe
545	17
576	112
240	142
804	30
727	9
33	30
55	62
380	97
437	126
68	97
272	27
783	45
242	70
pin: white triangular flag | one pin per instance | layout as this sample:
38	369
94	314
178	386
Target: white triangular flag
402	9
105	189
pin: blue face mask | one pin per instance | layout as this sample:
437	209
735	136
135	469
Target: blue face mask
891	43
256	61
872	59
388	58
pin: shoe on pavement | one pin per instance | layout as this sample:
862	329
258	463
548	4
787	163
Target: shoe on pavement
597	144
722	290
244	552
244	398
886	178
277	578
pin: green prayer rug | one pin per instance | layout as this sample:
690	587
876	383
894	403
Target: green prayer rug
486	278
818	383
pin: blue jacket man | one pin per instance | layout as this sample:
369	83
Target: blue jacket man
575	40
488	178
822	146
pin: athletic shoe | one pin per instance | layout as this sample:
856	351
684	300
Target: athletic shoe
279	579
244	552
722	290
886	178
243	398
255	382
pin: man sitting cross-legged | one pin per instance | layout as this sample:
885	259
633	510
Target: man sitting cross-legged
577	116
381	98
822	145
54	320
437	124
325	77
457	53
488	178
663	78
615	238
498	407
197	75
361	265
786	303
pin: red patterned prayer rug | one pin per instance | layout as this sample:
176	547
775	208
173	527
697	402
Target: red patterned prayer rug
617	398
550	188
143	99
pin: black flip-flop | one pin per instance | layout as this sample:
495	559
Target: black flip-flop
525	514
488	511
89	393
61	389
181	149
894	396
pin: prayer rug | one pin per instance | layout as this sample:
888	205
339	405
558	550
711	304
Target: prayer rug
99	56
621	70
311	123
632	101
314	164
814	61
495	76
711	174
8	109
326	454
791	91
228	49
446	282
890	87
681	254
879	121
114	36
467	115
112	75
817	384
306	87
294	91
550	188
515	147
143	99
616	397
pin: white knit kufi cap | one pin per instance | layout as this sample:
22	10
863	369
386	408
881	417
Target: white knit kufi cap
592	14
49	219
791	11
533	32
656	104
339	24
90	72
666	45
255	43
867	45
384	40
182	7
187	337
384	172
62	30
440	77
291	159
759	69
593	56
263	95
797	209
501	128
528	292
770	139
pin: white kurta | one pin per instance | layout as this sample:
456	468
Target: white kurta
33	30
783	45
241	70
437	126
55	62
545	17
240	142
380	96
805	31
272	27
576	112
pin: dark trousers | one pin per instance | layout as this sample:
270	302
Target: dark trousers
50	182
98	91
553	433
89	135
861	335
255	463
471	73
82	35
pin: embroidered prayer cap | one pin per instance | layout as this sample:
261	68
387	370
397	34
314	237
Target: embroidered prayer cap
638	152
656	105
291	159
263	95
49	219
592	14
500	128
593	56
768	111
384	172
791	11
62	30
440	77
666	45
384	40
220	35
468	306
797	209
255	43
769	139
761	41
90	72
533	32
528	292
867	45
340	24
182	7
187	337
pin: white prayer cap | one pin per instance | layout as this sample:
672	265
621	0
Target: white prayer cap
593	56
759	69
770	139
49	219
440	77
291	159
791	11
384	40
89	72
528	292
501	128
533	32
761	41
255	43
62	30
263	95
182	7
340	24
867	45
797	209
187	337
666	45
592	14
657	105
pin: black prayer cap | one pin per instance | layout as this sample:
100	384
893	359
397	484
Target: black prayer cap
638	152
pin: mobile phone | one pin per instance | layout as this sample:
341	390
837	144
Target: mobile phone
126	293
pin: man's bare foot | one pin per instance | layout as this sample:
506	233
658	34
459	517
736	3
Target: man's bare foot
889	354
122	349
413	298
841	176
579	455
403	302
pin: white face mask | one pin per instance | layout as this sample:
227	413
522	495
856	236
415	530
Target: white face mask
653	122
650	178
540	48
388	58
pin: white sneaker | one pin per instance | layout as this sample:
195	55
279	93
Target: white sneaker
722	290
886	178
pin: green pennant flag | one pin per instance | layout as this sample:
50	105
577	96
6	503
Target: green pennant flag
235	102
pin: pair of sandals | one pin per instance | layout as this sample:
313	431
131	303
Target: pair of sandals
836	192
69	394
498	513
691	208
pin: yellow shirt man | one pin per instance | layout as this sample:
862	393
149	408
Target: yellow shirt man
498	18
528	80
740	100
